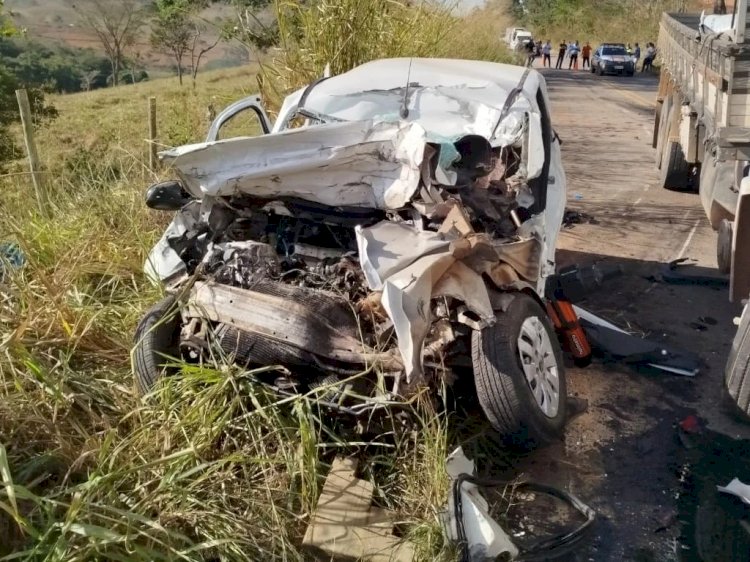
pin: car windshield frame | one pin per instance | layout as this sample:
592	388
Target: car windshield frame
610	51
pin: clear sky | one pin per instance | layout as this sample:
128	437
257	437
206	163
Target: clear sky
466	5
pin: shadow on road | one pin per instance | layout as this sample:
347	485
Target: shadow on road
622	455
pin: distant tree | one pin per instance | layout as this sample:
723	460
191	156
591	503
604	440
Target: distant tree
173	30
198	49
88	79
116	25
176	31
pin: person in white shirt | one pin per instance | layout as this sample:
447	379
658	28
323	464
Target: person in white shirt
573	50
547	54
649	58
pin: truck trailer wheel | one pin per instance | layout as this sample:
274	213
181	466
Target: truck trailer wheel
156	340
724	246
674	169
662	132
657	122
519	375
737	372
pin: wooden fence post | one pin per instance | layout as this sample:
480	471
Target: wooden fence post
28	135
153	161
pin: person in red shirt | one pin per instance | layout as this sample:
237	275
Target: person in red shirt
586	55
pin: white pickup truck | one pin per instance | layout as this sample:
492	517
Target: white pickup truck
517	37
702	141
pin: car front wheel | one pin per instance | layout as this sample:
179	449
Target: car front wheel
156	341
519	375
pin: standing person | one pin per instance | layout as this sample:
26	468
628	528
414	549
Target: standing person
586	54
573	52
530	52
636	55
561	55
629	50
649	58
547	54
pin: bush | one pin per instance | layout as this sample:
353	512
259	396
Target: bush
347	33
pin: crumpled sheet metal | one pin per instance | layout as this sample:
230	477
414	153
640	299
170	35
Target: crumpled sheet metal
412	266
448	98
356	164
163	262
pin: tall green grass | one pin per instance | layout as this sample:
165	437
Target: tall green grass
212	467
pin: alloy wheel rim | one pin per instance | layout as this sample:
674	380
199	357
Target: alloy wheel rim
539	365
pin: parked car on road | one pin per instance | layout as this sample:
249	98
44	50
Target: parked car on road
612	58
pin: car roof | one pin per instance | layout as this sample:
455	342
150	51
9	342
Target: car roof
448	97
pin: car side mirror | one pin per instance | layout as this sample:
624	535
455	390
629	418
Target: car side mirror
167	196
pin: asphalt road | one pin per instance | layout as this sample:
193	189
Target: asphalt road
622	455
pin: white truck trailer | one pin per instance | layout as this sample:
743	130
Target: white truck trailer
702	141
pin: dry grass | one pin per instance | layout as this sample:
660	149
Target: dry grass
212	467
626	21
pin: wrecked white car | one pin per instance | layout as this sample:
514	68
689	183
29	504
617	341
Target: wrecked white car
396	222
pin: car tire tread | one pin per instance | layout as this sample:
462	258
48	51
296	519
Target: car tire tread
501	386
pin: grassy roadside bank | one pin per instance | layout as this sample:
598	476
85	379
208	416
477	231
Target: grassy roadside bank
213	467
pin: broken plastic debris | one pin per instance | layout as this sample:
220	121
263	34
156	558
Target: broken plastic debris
737	488
482	536
467	520
613	342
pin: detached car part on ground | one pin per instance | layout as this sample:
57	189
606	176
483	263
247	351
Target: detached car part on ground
396	222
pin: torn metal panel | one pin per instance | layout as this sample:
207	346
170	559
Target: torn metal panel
411	267
163	261
277	317
357	164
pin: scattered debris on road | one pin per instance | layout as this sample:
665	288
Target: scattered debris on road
737	488
573	217
469	520
346	525
674	274
614	343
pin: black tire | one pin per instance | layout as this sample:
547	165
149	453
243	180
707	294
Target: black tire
674	169
664	130
599	70
724	246
156	340
501	385
657	123
737	371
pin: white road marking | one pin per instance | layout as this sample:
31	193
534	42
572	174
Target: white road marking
688	240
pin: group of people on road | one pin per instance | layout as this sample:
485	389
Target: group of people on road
572	51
